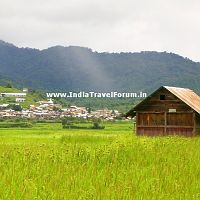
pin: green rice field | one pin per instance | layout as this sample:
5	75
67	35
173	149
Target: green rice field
48	162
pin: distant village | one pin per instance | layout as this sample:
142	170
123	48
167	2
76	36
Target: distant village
50	110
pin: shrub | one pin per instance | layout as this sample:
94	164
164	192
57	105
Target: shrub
16	125
97	125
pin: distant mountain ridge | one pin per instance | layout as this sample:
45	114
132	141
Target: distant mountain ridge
75	68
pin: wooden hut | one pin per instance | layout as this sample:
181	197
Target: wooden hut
168	111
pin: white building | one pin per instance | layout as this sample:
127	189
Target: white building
4	106
25	90
18	99
11	94
49	102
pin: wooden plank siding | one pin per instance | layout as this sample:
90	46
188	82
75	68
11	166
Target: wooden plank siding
153	116
165	123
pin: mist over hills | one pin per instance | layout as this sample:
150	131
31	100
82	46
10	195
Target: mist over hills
75	68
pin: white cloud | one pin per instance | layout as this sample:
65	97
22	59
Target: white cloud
104	25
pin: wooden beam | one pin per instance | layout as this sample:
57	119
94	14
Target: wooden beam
159	112
163	126
194	124
136	124
165	130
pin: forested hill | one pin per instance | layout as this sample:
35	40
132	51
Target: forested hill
76	68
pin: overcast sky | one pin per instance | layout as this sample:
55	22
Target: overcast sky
104	25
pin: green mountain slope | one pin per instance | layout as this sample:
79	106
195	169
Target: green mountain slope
76	68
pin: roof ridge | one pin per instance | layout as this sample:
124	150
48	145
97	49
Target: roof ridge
181	88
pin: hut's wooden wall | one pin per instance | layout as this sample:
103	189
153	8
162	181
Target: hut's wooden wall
165	123
165	117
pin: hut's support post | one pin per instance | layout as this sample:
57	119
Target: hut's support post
134	127
165	129
136	124
194	124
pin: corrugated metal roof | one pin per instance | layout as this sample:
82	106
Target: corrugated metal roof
187	96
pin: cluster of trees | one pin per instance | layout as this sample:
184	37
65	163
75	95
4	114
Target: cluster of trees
15	107
16	123
81	123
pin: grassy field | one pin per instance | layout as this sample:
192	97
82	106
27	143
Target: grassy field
48	162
